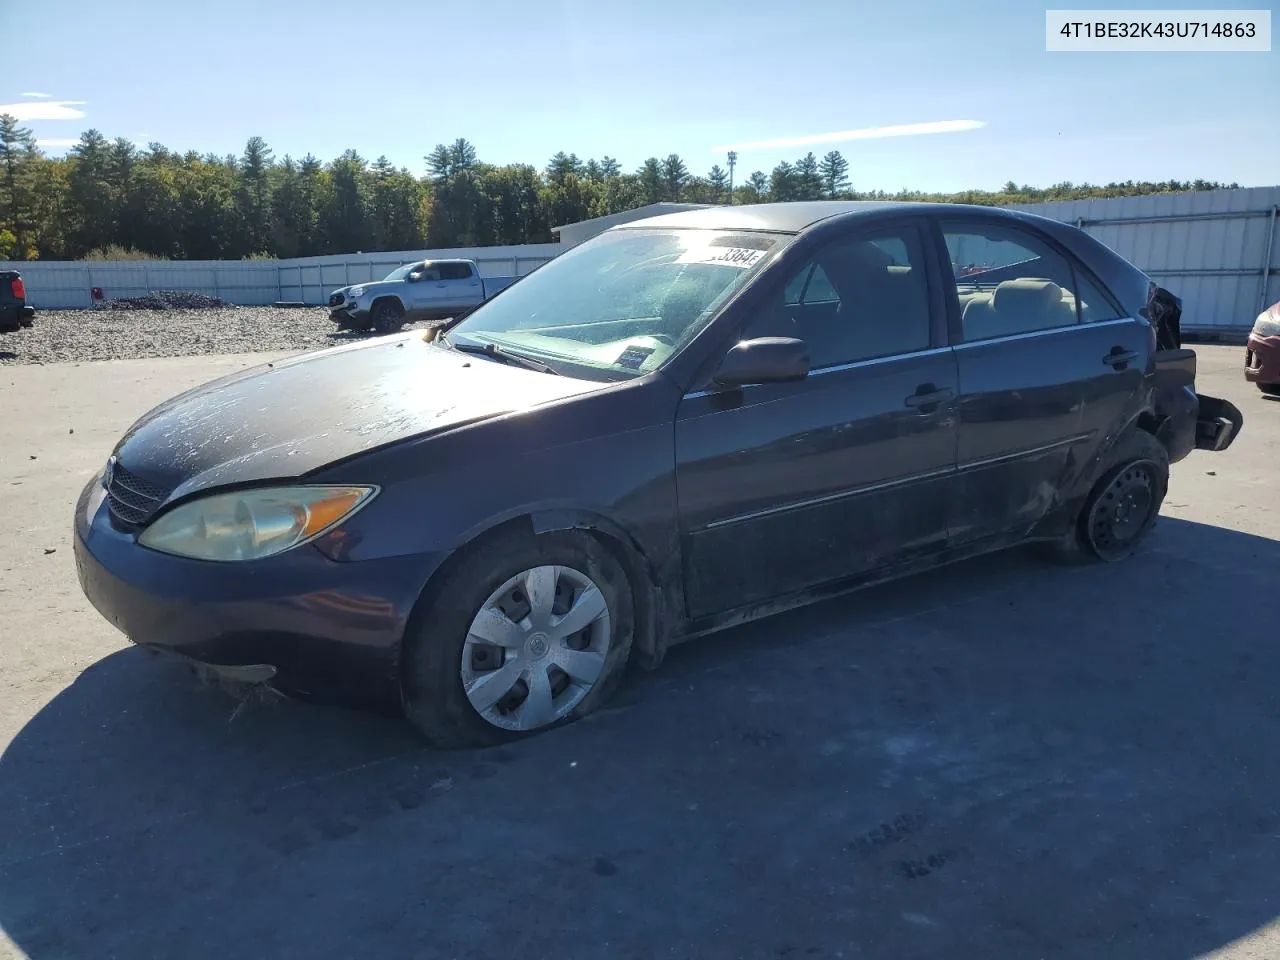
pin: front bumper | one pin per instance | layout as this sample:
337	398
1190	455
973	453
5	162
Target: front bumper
1262	360
326	628
350	313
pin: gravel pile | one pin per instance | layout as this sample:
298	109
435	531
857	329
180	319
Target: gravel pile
62	336
164	300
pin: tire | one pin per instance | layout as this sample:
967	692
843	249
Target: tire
444	654
1122	506
387	316
1270	389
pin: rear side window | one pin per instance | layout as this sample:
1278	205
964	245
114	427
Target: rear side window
454	271
1095	306
1011	282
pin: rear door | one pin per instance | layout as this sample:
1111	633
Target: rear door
787	486
1047	366
427	293
461	286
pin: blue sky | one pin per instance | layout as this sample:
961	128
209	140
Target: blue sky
522	80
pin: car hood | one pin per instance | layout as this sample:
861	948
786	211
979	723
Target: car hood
368	285
285	419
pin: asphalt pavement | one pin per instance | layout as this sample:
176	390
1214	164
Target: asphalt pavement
1002	759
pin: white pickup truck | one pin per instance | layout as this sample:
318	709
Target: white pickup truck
424	290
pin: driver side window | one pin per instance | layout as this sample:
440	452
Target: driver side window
857	298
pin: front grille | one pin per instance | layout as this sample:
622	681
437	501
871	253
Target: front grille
132	500
335	300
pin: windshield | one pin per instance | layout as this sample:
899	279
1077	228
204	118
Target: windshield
622	302
399	273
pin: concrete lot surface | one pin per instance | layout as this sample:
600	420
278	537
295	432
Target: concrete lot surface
1000	760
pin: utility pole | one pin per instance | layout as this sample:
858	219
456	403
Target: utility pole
733	158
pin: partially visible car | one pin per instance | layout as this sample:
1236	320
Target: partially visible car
682	424
424	290
1262	352
15	312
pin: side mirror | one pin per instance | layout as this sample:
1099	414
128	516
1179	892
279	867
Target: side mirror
414	276
764	360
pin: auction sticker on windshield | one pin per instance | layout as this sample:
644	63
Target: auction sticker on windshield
728	256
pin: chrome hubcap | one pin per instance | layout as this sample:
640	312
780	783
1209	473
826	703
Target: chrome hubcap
536	647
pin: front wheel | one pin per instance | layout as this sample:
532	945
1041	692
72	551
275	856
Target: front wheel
387	316
524	634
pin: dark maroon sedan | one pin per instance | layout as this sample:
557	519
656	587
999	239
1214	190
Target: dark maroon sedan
684	423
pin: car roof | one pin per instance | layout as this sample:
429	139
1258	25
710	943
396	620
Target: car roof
798	216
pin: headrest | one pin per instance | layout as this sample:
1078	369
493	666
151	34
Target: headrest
1027	294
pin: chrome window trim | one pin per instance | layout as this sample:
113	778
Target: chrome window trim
1033	334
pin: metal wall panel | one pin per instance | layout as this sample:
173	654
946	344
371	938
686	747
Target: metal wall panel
53	285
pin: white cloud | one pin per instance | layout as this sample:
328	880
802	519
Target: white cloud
45	110
867	133
39	96
57	143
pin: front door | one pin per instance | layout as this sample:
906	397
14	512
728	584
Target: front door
1045	362
784	487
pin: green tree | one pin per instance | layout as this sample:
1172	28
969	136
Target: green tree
254	195
783	183
834	170
89	187
756	189
675	176
343	218
808	180
18	162
650	180
398	221
210	222
718	180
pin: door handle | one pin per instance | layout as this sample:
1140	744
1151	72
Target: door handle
928	396
1119	357
439	284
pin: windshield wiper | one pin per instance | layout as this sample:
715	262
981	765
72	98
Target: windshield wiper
502	354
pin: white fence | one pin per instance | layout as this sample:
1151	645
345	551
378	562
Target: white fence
61	285
1218	250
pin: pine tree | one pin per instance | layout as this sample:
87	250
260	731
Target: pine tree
834	170
17	169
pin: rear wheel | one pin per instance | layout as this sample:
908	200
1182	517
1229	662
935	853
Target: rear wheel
524	634
387	316
1123	505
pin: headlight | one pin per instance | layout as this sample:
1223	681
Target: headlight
356	291
1267	325
252	524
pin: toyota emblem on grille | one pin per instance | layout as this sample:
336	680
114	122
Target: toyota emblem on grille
109	472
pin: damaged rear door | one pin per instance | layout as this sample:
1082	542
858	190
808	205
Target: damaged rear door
1048	365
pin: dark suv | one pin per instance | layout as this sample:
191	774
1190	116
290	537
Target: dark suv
14	312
